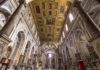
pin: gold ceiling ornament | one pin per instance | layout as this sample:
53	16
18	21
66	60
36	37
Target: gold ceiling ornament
49	16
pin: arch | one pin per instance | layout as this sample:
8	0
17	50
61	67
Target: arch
20	38
5	12
81	43
96	46
95	9
80	35
48	47
95	13
96	16
3	20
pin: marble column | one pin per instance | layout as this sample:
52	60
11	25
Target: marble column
9	25
93	29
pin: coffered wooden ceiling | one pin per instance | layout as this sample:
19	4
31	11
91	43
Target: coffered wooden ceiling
49	18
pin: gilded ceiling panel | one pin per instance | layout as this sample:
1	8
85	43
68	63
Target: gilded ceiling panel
49	18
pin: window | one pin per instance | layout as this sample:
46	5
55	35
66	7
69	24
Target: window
62	9
71	17
37	9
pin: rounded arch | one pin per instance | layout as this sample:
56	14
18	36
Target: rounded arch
5	12
48	47
3	20
80	35
96	46
94	9
95	13
81	44
20	39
